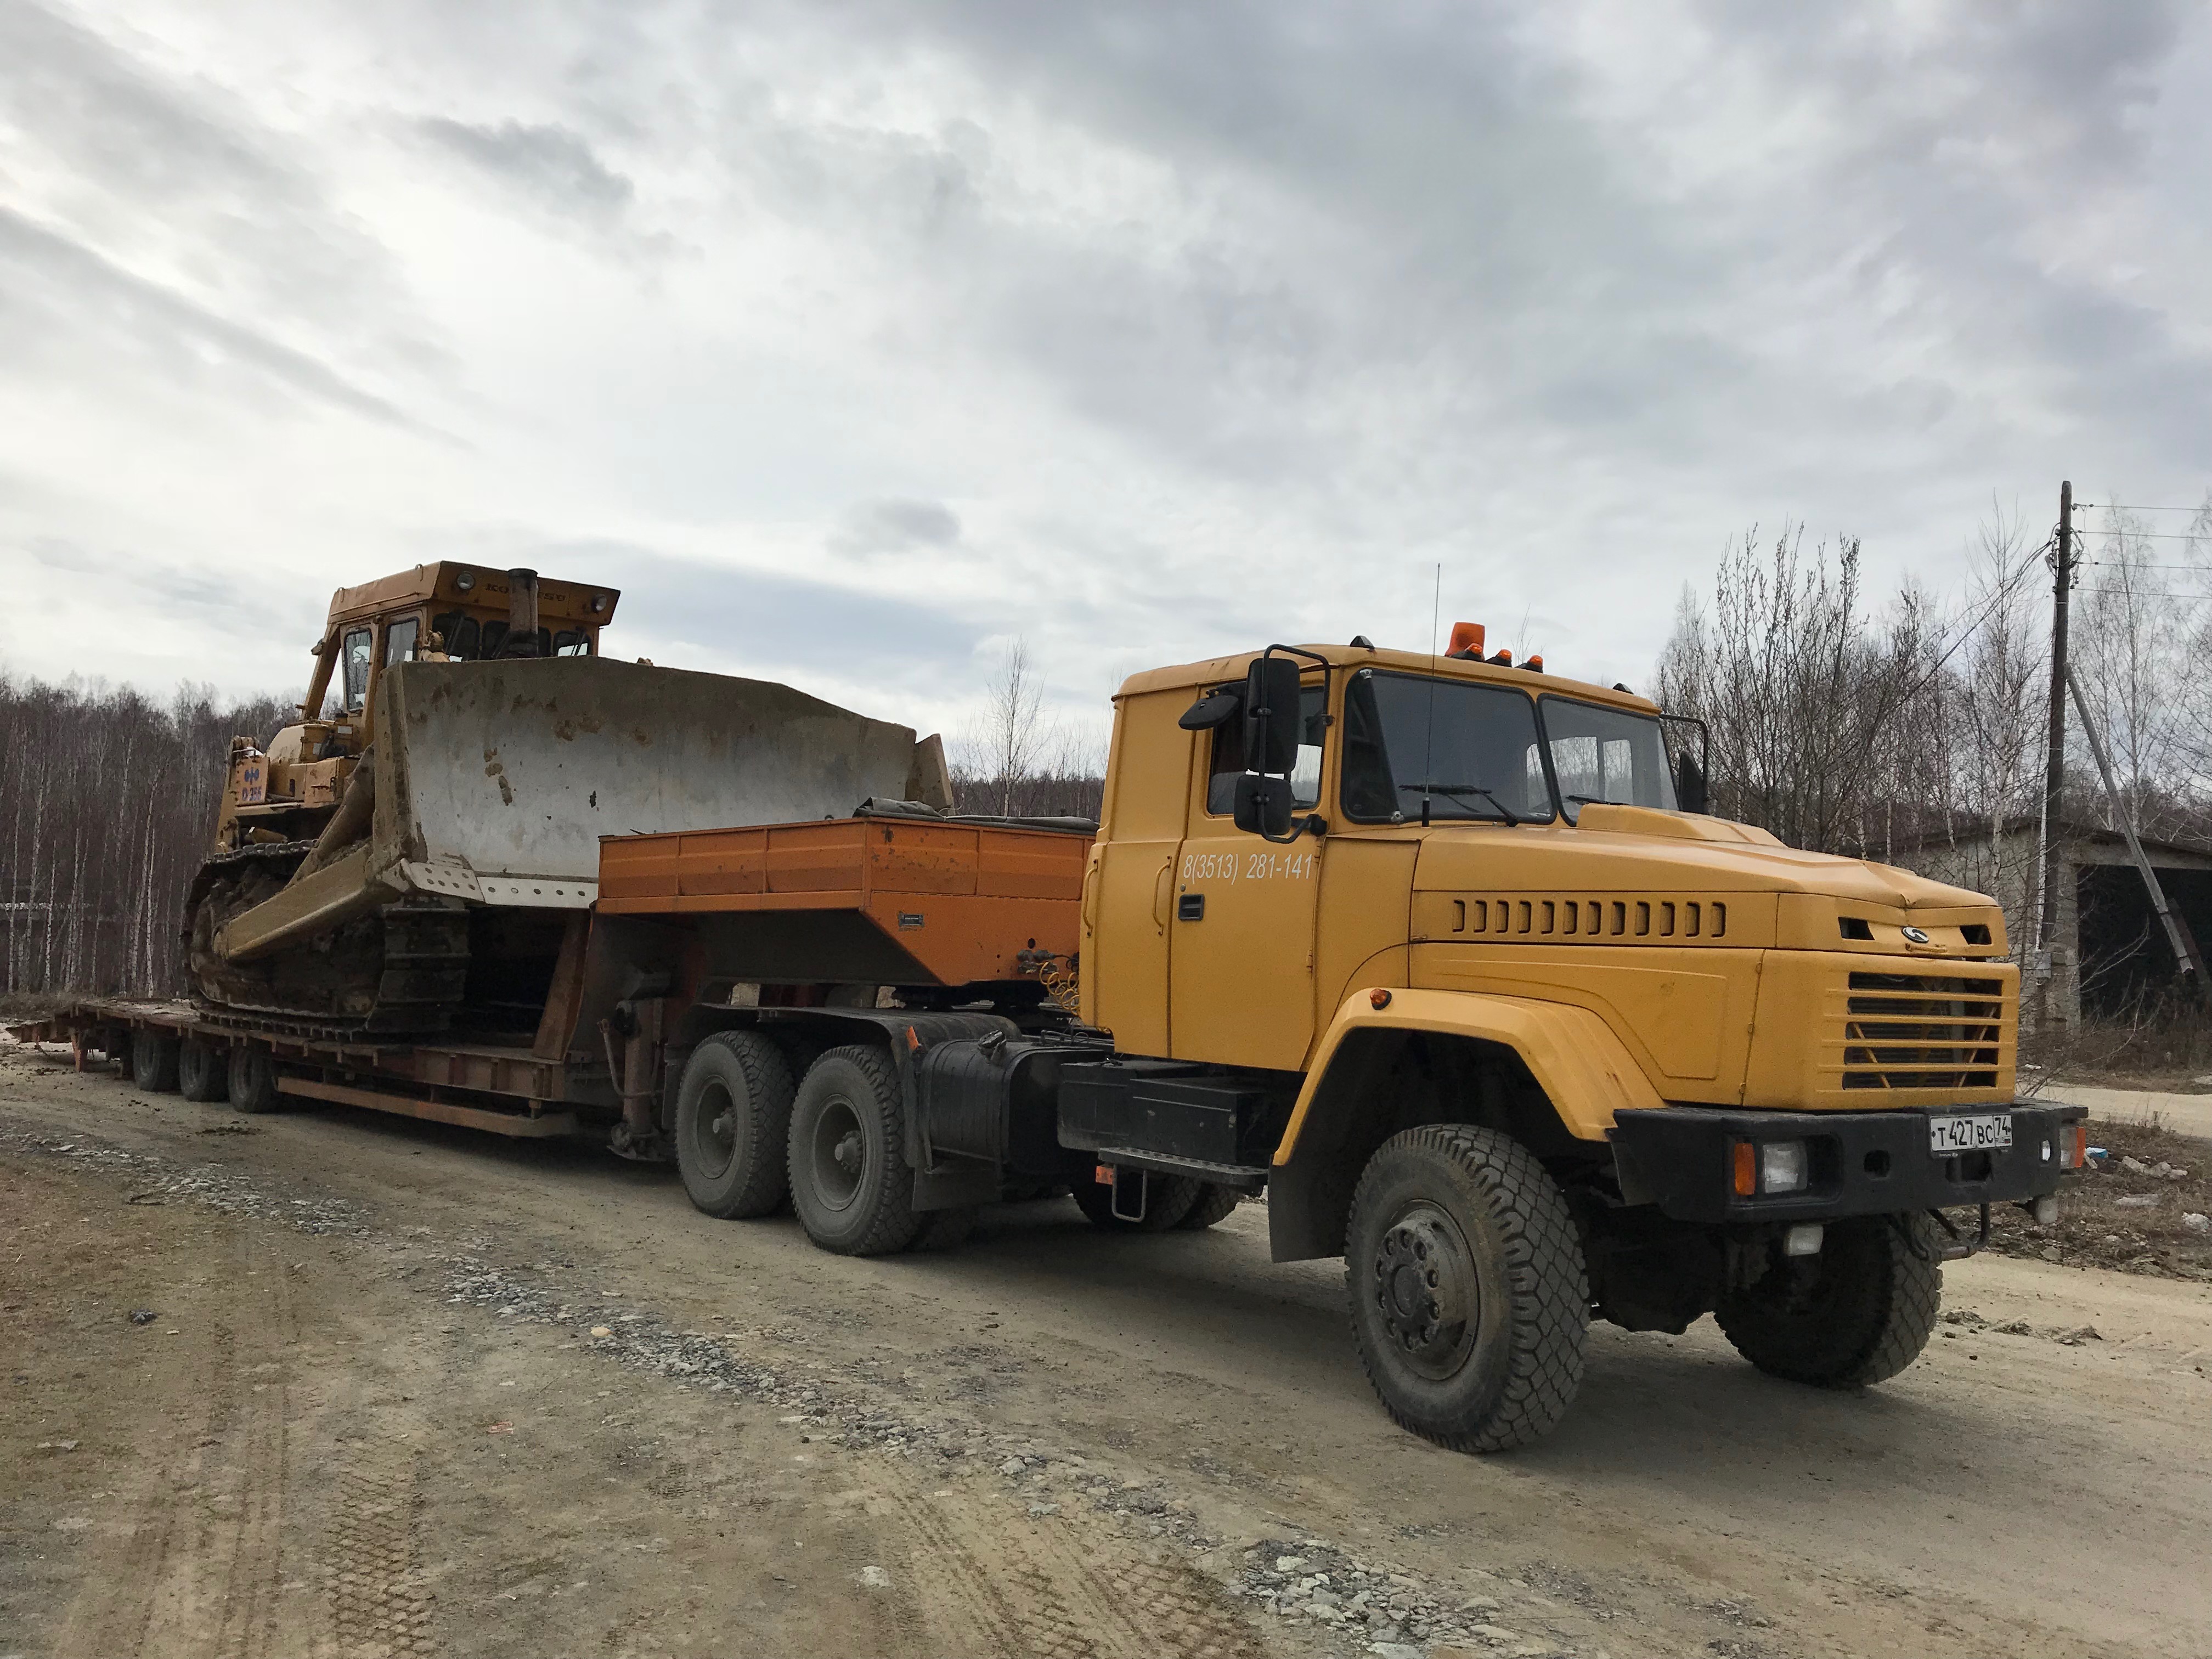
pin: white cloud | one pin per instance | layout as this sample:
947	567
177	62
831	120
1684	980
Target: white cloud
848	337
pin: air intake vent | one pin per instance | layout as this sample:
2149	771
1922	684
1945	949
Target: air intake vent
1922	1031
1854	927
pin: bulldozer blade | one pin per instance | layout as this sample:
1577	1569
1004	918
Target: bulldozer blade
494	780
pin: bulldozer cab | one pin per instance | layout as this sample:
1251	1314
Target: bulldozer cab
441	612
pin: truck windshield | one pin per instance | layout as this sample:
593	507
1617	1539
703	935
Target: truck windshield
1606	755
1470	750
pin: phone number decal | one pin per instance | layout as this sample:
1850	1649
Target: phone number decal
1249	867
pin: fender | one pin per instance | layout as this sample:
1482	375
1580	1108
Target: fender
1585	1072
1582	1064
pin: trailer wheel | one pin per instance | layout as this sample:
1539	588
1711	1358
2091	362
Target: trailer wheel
203	1071
1855	1313
154	1061
1168	1199
253	1079
1469	1299
1215	1202
850	1181
733	1125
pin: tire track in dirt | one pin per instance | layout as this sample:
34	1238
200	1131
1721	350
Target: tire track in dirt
1063	1588
380	1606
192	1565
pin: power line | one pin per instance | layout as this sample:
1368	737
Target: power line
2116	564
2148	535
2121	506
2136	593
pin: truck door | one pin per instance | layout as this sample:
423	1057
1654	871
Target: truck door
1128	896
1241	977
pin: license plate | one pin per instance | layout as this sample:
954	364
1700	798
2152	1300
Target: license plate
1966	1131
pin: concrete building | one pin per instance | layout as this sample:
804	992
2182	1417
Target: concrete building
2109	954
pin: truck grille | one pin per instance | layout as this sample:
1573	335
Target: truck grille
1922	1031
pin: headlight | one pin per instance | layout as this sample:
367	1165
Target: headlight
1782	1166
465	580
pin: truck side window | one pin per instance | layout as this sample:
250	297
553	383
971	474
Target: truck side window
356	655
1228	763
399	639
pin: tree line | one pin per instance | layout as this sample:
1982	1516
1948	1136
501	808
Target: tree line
107	803
1878	729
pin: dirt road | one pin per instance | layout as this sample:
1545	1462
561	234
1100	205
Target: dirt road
405	1389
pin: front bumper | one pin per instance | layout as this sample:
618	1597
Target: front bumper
1682	1158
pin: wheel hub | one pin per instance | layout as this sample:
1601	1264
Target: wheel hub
840	1155
1425	1290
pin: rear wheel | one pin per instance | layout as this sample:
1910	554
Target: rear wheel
154	1061
1856	1313
1168	1199
1469	1299
203	1071
1214	1204
253	1079
733	1125
850	1181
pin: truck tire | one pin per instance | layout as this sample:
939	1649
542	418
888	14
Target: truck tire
1168	1199
253	1079
1470	1303
1214	1204
203	1071
1855	1313
154	1061
850	1181
733	1125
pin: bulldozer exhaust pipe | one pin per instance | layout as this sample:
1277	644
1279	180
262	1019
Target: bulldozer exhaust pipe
521	614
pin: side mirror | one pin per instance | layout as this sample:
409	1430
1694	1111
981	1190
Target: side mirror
1270	717
1263	806
1690	791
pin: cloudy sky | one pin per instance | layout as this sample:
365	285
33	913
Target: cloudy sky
854	338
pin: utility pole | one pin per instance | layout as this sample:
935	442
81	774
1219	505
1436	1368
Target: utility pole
2054	776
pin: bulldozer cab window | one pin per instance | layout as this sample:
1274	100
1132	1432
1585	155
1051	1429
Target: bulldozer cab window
459	631
1229	755
1468	751
356	655
572	642
399	639
1606	755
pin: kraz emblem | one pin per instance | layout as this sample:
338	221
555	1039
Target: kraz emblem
1915	936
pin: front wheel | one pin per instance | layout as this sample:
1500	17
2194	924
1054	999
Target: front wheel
1469	1299
1856	1313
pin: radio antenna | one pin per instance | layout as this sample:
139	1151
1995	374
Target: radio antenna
1429	738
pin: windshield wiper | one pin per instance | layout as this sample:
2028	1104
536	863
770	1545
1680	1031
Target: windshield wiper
1456	790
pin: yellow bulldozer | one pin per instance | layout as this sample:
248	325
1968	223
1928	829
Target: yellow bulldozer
415	845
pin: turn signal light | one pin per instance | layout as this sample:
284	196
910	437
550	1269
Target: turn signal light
1746	1170
2072	1145
1379	997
